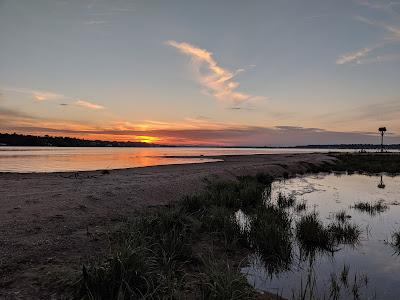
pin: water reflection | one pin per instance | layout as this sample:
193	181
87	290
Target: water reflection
328	236
381	185
58	159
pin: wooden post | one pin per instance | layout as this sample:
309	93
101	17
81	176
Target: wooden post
382	130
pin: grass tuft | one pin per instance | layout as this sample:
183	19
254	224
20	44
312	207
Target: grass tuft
344	233
271	236
312	235
220	280
284	201
342	216
371	208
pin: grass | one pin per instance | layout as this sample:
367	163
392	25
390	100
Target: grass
371	208
220	280
154	254
161	253
368	162
284	201
301	207
271	237
351	163
342	216
313	236
395	242
344	233
339	286
149	261
222	224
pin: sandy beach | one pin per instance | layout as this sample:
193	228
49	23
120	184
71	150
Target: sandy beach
51	222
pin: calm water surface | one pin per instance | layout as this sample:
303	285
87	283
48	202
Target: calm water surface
373	256
55	159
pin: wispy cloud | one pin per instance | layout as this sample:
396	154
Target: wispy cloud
385	5
353	56
41	96
217	80
394	31
381	58
46	95
95	22
88	104
359	55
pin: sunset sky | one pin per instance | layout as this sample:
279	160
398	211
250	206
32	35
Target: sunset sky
271	72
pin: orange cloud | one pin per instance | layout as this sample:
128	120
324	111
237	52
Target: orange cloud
88	104
192	131
217	80
45	95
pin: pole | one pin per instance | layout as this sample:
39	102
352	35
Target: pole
381	141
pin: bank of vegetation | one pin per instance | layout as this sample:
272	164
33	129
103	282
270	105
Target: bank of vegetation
195	248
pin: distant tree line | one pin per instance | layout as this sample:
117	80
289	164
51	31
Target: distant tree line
350	146
57	141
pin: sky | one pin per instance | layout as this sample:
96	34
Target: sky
248	73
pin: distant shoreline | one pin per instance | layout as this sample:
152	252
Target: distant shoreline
311	147
20	140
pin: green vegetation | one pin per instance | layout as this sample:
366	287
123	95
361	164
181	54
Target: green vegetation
339	286
160	254
219	280
342	216
194	248
395	242
314	236
284	201
344	233
367	162
300	207
371	208
370	163
271	237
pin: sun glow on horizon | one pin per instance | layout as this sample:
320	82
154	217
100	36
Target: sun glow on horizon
146	139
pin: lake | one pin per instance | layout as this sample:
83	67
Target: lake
56	159
373	262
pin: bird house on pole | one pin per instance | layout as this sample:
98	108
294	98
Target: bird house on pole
382	131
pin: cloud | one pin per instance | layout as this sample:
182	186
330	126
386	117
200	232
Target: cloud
46	95
223	135
95	22
380	58
194	131
357	56
353	56
88	104
375	113
391	29
40	95
385	5
217	80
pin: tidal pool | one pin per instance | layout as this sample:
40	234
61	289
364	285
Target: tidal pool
372	264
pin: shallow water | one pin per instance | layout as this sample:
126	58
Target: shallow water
56	159
373	256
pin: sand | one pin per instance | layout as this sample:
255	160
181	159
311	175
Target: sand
51	223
